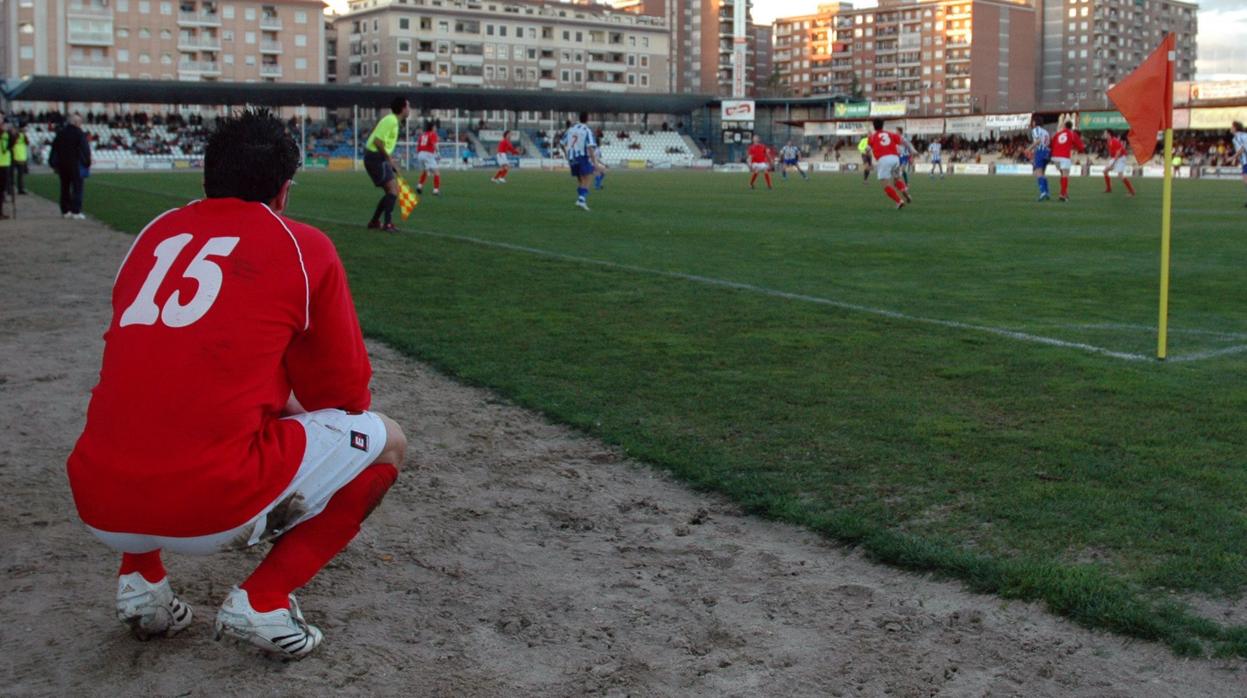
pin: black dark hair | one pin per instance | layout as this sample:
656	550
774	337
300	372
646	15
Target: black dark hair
1237	125
430	125
249	157
1069	124
878	124
398	105
584	117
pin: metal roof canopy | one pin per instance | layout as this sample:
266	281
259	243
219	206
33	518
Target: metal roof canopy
47	88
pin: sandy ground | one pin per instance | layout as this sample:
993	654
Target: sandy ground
513	558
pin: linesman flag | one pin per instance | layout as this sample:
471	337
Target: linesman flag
1145	98
407	199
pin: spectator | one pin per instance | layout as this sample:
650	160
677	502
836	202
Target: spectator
71	158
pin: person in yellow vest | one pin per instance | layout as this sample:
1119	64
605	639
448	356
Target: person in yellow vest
6	163
863	147
380	164
21	156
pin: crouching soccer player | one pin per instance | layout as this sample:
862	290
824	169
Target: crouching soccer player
232	402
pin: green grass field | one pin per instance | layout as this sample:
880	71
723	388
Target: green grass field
964	387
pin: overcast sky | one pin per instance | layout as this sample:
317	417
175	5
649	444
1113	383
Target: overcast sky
1222	31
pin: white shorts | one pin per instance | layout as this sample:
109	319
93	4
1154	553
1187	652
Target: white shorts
1118	166
759	166
1063	164
340	446
886	165
428	161
503	160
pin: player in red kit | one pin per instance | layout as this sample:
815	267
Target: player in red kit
426	155
885	146
232	400
1116	164
759	161
1064	143
505	150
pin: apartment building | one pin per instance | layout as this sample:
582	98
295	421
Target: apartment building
937	56
762	36
701	43
515	44
1089	45
232	40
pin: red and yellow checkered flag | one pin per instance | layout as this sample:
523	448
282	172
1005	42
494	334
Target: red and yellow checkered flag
407	199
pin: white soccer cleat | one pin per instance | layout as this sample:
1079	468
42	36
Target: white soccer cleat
281	632
583	204
503	180
150	610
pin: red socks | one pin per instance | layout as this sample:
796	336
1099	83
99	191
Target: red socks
298	555
437	181
753	178
1064	186
1108	183
901	185
500	173
892	194
146	564
1129	186
767	175
423	176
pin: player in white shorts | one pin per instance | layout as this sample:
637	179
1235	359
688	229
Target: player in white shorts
1240	147
426	155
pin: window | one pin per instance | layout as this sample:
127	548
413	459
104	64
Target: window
227	12
645	80
376	67
166	34
249	37
249	60
404	23
227	35
300	17
123	55
502	72
300	39
489	30
404	67
166	8
144	58
122	32
166	59
580	76
145	33
489	72
300	64
644	61
27	52
249	14
122	5
567	36
404	46
502	30
229	59
145	7
563	76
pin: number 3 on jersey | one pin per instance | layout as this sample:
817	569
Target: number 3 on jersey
144	311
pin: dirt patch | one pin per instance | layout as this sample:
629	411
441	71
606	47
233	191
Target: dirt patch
512	558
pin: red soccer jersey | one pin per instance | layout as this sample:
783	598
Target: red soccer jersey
1065	141
758	153
506	148
884	143
1116	148
427	142
220	310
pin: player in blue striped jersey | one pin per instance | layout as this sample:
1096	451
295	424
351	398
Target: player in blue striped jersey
1239	141
1041	151
581	149
790	156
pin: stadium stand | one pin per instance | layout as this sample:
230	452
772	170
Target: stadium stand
653	147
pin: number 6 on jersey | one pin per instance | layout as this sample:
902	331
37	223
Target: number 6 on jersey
144	311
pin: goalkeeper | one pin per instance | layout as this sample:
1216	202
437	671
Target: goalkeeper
380	164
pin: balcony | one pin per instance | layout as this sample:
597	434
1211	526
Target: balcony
467	79
547	83
199	43
89	11
605	67
426	56
270	23
547	63
606	86
270	70
208	68
424	77
90	67
90	38
467	59
199	19
270	47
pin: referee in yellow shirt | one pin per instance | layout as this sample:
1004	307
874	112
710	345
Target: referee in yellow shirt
863	147
380	164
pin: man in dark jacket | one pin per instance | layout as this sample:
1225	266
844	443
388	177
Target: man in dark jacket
71	158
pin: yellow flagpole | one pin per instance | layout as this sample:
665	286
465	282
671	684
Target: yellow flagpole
1166	210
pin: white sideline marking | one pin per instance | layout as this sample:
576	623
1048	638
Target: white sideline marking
774	293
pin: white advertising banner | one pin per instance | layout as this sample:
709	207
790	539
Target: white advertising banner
965	124
1225	89
1013	168
852	128
826	167
924	127
732	167
819	128
971	168
1095	171
1008	122
887	109
737	110
1153	171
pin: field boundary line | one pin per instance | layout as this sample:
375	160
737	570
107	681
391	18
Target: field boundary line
775	293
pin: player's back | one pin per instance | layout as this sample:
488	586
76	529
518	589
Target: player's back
758	152
884	143
427	142
1065	142
1040	137
194	374
577	141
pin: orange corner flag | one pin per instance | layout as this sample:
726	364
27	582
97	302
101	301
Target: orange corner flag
407	199
1145	99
